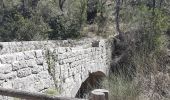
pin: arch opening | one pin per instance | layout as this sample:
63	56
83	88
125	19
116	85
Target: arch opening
94	81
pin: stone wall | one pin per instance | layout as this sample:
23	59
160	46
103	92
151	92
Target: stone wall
12	47
58	69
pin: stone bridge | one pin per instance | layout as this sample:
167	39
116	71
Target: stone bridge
52	67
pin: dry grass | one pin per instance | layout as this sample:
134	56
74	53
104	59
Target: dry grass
120	88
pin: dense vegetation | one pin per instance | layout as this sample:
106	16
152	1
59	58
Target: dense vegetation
39	20
25	20
142	73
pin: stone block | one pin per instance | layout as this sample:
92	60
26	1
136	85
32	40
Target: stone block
61	62
39	86
10	76
1	83
7	59
39	61
19	56
19	65
60	57
36	69
2	77
39	53
24	72
25	83
29	55
61	50
7	85
31	63
5	68
44	75
45	66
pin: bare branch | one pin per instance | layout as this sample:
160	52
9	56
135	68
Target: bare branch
61	4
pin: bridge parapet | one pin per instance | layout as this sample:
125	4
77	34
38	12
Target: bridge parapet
13	47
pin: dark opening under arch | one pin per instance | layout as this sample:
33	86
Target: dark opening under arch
92	82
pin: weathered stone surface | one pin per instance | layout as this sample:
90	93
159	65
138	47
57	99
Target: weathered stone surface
10	76
2	76
5	68
67	68
7	59
36	69
31	63
61	50
39	53
12	47
39	61
24	72
19	65
7	85
29	55
26	83
45	66
20	56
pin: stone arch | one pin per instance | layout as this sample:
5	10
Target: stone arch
92	82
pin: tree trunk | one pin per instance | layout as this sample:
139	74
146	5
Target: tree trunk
153	7
160	4
61	3
117	19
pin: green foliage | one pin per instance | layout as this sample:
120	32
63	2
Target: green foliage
25	20
32	29
153	27
15	27
146	26
63	28
69	25
102	15
150	24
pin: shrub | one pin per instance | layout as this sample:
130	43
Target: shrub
121	88
69	24
39	20
14	27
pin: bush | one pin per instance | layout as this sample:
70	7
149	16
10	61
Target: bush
40	20
14	27
69	24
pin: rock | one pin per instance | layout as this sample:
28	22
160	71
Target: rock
31	63
10	76
24	72
19	56
36	69
19	65
7	85
61	50
39	61
39	53
5	68
7	59
29	55
2	77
